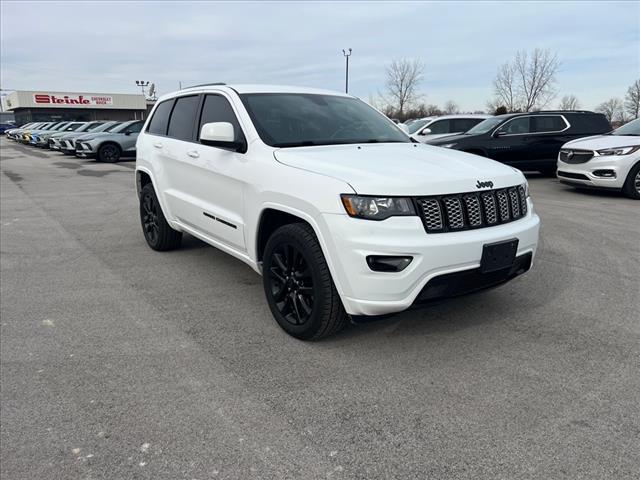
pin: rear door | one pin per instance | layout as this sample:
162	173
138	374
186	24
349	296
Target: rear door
217	177
548	136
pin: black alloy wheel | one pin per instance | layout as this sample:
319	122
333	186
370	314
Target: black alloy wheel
150	224
109	153
291	284
157	231
298	285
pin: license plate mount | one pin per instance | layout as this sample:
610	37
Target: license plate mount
498	255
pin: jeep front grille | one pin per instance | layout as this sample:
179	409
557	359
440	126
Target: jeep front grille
464	211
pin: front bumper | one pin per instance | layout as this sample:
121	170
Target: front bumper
54	144
365	292
582	174
84	150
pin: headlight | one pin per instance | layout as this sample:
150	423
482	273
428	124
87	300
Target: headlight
377	208
619	150
448	145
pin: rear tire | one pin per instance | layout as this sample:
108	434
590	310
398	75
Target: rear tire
109	153
632	184
157	232
298	285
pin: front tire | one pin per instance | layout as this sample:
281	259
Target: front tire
109	153
298	285
632	184
157	232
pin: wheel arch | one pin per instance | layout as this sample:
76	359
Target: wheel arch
273	216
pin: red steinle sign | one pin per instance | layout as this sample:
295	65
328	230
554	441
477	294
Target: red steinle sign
46	98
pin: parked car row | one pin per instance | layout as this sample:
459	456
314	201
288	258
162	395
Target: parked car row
580	147
106	141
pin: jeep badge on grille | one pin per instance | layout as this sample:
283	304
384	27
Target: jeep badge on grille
484	184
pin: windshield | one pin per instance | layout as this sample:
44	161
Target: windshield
297	120
418	124
631	128
104	127
121	127
486	125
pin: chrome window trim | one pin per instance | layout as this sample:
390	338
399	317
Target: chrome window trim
568	125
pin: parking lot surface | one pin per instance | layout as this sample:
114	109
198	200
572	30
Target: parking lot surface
119	362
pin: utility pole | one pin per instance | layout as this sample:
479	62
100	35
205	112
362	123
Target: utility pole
346	76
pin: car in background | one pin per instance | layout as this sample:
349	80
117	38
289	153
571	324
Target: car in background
527	141
53	139
110	146
15	133
68	142
4	127
610	161
437	127
26	134
41	139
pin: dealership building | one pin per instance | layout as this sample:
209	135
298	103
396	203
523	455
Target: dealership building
43	106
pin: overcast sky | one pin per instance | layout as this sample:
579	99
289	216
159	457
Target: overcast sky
104	47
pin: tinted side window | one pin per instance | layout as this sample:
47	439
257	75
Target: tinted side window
439	126
160	119
551	123
464	124
183	118
135	127
217	109
516	126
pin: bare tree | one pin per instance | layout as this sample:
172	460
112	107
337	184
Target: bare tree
403	78
612	109
505	88
632	100
528	82
451	107
569	102
432	111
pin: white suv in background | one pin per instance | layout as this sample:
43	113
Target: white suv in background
341	213
431	128
610	161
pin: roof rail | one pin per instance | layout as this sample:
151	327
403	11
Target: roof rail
205	85
561	111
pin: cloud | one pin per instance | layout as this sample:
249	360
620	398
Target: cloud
105	47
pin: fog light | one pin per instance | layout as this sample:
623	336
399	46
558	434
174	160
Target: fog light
605	173
379	263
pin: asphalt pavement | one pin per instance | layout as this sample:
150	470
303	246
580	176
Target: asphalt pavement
118	362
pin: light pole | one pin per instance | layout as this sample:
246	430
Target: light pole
346	75
142	84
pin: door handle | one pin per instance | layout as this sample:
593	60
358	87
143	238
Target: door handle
157	145
193	154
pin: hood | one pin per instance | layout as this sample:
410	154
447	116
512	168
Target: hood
88	136
599	142
400	168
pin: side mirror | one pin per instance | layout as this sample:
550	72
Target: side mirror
499	133
425	131
128	132
220	134
403	127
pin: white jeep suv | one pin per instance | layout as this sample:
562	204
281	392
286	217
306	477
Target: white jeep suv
341	213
